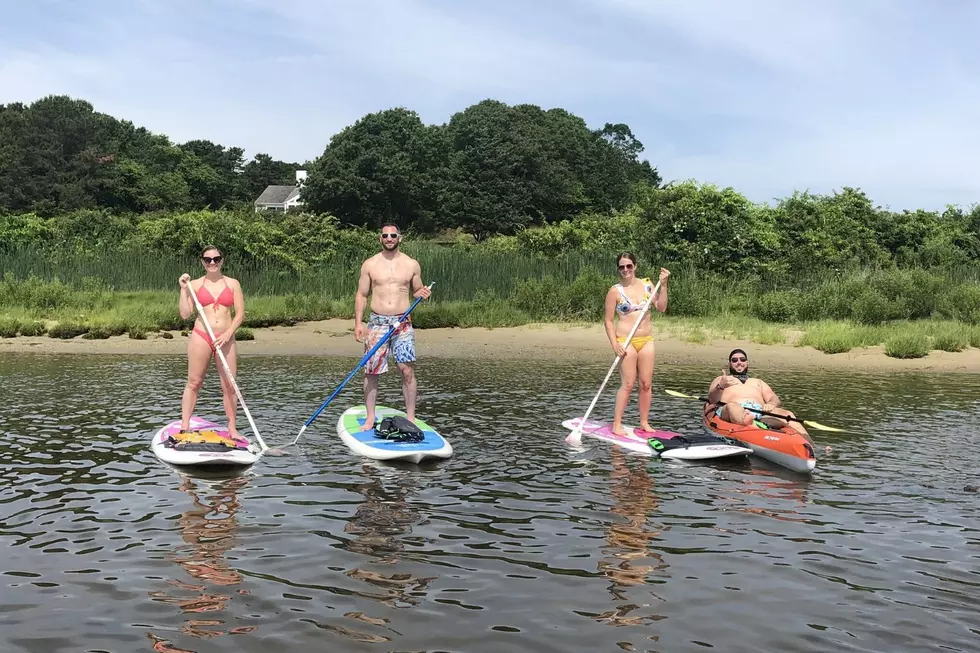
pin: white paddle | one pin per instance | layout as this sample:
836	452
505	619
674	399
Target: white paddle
575	437
221	356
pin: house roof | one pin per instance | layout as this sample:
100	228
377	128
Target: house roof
277	194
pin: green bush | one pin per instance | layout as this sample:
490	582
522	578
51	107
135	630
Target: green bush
779	306
243	333
960	302
911	345
67	330
870	308
32	329
9	327
98	332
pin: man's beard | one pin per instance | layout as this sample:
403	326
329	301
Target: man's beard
743	377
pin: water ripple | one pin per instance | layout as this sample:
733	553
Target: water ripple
516	543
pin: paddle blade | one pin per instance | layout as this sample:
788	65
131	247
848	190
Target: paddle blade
822	427
675	393
575	437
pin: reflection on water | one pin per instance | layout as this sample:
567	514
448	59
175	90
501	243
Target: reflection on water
516	543
209	532
630	560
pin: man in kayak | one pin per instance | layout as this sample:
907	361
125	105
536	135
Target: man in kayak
391	277
745	398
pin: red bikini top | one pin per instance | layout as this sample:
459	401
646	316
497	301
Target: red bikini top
225	298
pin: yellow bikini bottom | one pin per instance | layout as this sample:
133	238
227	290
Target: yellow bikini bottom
637	342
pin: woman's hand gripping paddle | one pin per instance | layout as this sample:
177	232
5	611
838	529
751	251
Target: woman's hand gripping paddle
575	437
224	362
363	362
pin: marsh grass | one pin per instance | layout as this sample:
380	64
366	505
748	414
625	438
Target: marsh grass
9	327
907	345
701	307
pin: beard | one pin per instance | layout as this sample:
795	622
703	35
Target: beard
743	377
390	246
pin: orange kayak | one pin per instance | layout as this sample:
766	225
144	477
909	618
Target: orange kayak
783	446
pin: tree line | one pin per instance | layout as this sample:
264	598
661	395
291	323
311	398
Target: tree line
492	168
514	178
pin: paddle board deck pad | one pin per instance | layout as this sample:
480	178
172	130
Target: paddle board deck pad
368	443
784	447
229	452
665	444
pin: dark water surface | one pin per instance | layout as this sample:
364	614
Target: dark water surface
518	543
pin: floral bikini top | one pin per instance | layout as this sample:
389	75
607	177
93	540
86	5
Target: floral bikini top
625	305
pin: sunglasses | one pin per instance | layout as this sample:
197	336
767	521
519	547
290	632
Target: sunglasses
739	359
211	259
628	266
389	236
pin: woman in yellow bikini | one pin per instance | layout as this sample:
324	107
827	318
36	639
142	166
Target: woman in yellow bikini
626	300
218	295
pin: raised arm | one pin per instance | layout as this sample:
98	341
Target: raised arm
715	390
660	303
185	304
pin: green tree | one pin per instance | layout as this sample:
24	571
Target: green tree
382	168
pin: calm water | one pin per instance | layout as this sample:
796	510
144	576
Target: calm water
518	543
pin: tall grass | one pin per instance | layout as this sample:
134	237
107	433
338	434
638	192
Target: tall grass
136	293
458	274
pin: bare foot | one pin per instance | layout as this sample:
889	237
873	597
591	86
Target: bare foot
368	424
618	430
646	427
233	432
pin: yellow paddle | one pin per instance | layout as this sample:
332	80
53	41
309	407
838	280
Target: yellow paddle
806	422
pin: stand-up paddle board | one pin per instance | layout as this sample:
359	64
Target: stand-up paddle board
665	444
372	444
209	445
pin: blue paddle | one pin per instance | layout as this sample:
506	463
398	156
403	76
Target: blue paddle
364	360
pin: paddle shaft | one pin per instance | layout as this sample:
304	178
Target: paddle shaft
576	435
761	412
361	364
224	362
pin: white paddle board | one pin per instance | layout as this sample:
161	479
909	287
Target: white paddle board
350	428
241	453
665	444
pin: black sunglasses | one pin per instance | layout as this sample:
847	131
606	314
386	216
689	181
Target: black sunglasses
211	259
391	236
739	359
628	266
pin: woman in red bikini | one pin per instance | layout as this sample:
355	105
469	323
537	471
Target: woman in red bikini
217	294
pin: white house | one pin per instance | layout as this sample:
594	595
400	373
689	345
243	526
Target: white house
281	198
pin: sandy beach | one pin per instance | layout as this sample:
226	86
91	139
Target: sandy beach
538	341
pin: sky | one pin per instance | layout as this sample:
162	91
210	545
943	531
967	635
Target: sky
765	96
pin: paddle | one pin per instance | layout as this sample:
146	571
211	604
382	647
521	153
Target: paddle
575	437
805	422
364	360
224	362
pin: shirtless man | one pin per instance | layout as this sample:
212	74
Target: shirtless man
391	278
744	397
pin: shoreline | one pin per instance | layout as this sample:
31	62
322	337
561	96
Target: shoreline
556	342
